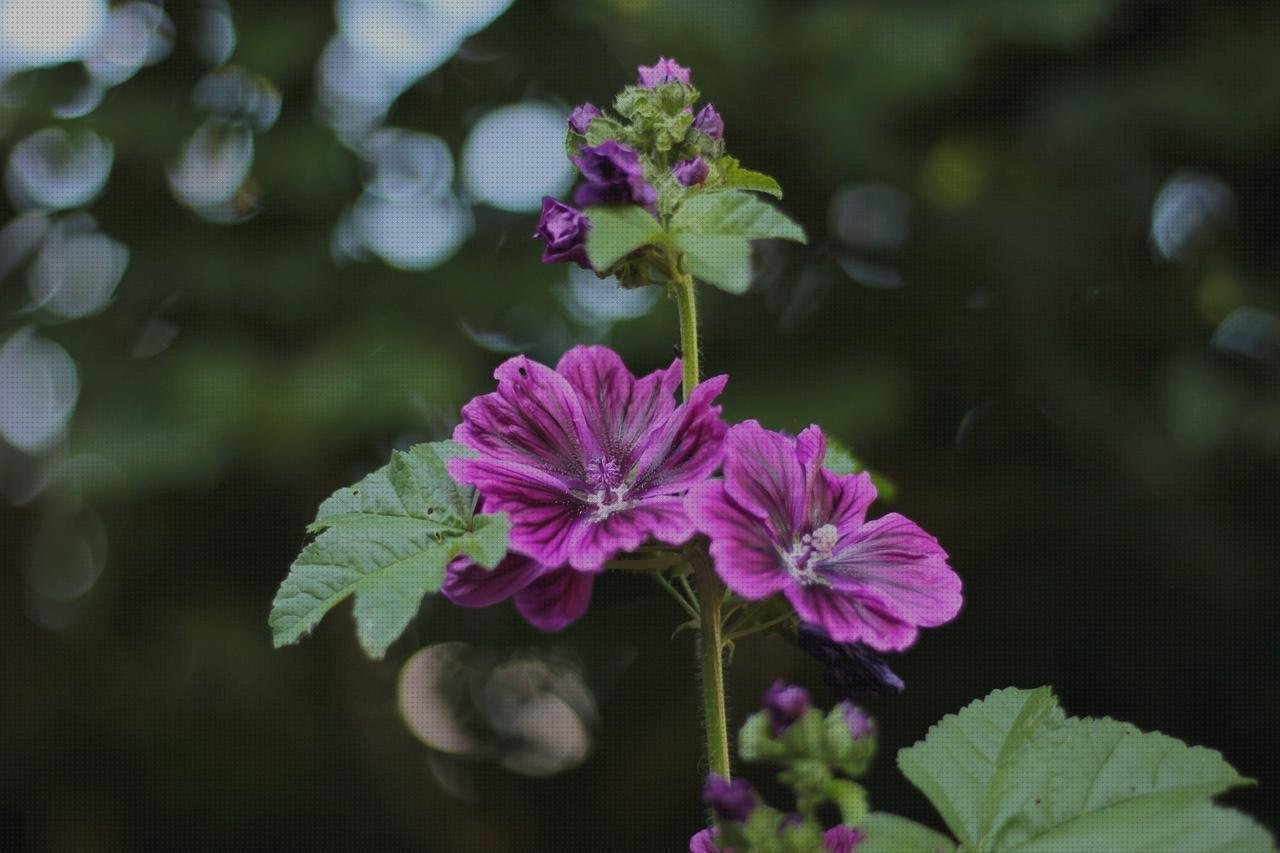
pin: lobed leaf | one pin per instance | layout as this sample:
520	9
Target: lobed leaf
617	232
714	231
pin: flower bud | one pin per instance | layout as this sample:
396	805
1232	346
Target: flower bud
564	230
705	842
852	670
614	176
691	172
709	122
663	71
858	721
842	839
731	801
785	703
580	118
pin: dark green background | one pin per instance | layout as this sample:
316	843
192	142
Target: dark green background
1111	504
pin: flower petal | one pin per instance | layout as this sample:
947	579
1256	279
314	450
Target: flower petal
534	418
687	447
764	476
555	600
661	518
469	585
745	556
850	618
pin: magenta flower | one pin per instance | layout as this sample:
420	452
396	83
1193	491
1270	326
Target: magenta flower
707	841
564	231
548	599
663	71
614	176
587	460
580	118
842	839
708	121
780	522
690	172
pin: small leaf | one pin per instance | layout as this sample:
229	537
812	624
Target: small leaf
719	260
714	231
617	232
887	833
736	177
840	461
386	540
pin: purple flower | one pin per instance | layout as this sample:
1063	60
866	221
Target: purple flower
587	460
706	841
690	172
549	599
709	122
564	230
842	839
858	721
785	703
614	176
663	71
851	670
780	522
733	801
580	118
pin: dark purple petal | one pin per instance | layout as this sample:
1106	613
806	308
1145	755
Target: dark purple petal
764	476
564	231
784	703
614	175
469	585
686	447
691	172
733	801
842	839
708	121
851	670
744	553
556	600
663	71
580	118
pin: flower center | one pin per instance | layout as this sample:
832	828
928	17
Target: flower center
811	548
610	492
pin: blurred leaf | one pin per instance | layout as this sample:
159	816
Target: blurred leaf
714	230
387	540
887	833
736	177
1012	772
840	461
618	231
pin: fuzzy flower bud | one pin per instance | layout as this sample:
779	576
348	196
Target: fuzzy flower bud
580	118
859	722
564	230
709	122
785	703
691	172
663	71
614	176
731	801
842	839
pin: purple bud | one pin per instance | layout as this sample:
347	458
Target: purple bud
842	839
733	801
785	704
852	670
858	721
663	71
580	118
614	176
690	172
709	122
564	230
705	841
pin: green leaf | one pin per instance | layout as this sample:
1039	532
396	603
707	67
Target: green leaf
887	833
714	231
840	461
386	540
617	232
1012	772
736	177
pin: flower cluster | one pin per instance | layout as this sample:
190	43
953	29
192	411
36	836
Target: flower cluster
656	149
591	462
819	752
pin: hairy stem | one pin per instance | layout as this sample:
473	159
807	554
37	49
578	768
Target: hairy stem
710	590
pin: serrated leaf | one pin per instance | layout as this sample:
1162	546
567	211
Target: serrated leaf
736	177
887	833
386	540
617	232
714	231
1011	772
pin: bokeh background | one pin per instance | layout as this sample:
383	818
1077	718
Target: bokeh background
249	249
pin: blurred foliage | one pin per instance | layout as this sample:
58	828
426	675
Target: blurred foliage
1091	426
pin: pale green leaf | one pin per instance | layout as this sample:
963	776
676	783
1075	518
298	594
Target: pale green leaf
386	540
720	260
714	231
736	177
617	232
887	833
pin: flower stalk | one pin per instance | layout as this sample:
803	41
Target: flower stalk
710	590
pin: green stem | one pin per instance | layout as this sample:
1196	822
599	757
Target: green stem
710	590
